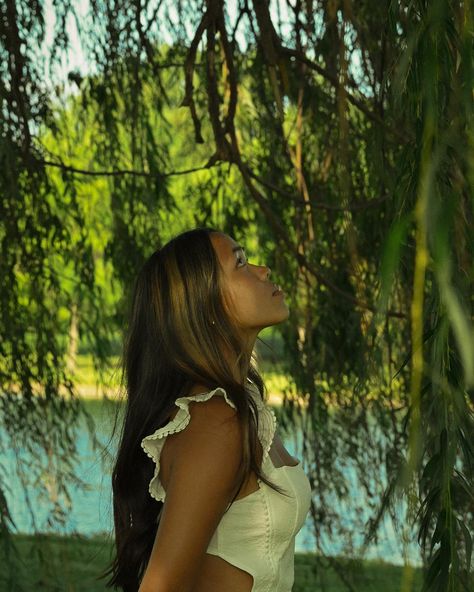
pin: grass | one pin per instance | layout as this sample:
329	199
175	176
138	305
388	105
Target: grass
89	386
87	379
72	563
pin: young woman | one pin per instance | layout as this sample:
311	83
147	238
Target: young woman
205	496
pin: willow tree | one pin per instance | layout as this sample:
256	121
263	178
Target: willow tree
344	134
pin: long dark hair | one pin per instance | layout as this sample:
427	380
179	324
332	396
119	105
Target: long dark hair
170	344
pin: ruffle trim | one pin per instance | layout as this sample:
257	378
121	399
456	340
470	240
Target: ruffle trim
266	421
153	444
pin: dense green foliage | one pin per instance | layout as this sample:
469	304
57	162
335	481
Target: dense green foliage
336	141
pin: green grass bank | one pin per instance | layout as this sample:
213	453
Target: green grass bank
71	564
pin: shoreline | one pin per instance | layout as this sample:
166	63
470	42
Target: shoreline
96	392
90	392
107	538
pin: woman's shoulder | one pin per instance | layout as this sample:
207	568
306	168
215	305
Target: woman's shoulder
199	401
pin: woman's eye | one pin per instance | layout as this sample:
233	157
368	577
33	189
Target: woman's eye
240	258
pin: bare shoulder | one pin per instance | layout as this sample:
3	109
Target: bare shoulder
213	429
212	413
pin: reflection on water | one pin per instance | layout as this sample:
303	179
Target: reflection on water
90	510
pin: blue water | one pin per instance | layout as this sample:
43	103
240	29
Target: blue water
90	510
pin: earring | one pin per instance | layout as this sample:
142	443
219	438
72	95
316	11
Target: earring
213	322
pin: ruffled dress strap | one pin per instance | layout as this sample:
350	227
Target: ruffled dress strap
153	444
266	420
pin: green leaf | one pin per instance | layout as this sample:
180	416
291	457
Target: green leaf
391	258
467	542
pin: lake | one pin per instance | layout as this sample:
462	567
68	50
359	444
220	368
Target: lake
90	509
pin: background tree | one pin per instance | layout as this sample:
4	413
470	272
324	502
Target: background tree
337	140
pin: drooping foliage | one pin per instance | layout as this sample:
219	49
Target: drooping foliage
334	139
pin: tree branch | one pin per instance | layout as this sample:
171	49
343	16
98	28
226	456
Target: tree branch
401	136
274	50
281	232
15	69
223	151
314	202
117	173
188	100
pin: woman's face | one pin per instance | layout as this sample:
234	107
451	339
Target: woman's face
248	291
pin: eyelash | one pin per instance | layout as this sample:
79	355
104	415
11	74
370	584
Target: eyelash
240	257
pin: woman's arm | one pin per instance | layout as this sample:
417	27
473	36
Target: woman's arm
202	482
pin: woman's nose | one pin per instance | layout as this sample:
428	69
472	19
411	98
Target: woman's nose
268	272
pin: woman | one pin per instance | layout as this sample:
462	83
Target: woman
206	498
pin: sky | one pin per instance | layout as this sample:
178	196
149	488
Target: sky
76	59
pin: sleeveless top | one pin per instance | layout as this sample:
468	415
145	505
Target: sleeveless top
257	533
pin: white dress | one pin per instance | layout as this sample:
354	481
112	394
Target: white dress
257	533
